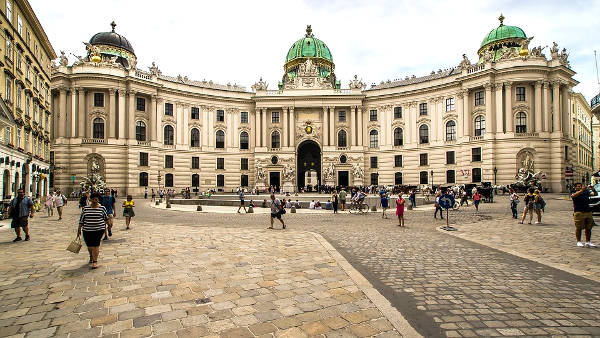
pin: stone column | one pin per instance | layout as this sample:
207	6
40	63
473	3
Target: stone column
152	127
229	124
538	106
111	113
284	134
211	126
292	128
461	114
489	118
352	126
325	120
257	121
466	113
439	126
413	128
81	112
120	97
131	116
508	114
160	111
498	111
234	131
204	126
546	106
62	118
71	122
332	126
565	108
360	130
263	128
185	119
556	106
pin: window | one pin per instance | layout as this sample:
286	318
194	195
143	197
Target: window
98	99
244	180
476	154
373	115
18	98
373	139
168	180
9	12
342	139
397	112
479	125
342	116
19	60
450	157
195	138
450	176
244	117
397	160
98	128
169	136
476	175
143	159
195	180
520	93
244	164
244	140
423	177
195	162
275	140
220	180
8	136
195	113
450	104
220	139
9	48
8	88
275	117
423	134
220	115
26	141
398	137
373	161
140	104
521	126
451	131
143	179
140	131
27	104
398	178
423	159
566	151
374	179
479	98
220	163
169	109
168	161
422	109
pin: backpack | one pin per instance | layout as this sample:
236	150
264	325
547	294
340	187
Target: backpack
542	203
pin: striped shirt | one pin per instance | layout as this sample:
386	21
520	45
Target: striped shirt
93	219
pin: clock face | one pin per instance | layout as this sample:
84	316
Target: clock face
308	129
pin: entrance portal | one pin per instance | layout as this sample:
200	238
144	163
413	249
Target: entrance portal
343	178
274	179
308	158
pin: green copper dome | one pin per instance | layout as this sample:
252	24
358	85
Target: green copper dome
309	46
502	33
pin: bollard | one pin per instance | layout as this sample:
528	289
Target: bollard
199	208
168	205
374	208
409	207
156	203
293	210
250	210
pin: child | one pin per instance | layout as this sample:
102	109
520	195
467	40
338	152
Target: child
384	205
128	210
400	210
476	199
514	200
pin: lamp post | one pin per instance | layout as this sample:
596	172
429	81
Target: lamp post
159	179
432	180
495	183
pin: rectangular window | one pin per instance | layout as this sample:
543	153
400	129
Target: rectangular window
520	93
450	176
18	136
450	104
19	25
275	117
373	161
423	177
423	159
244	164
220	115
373	115
450	157
8	88
168	161
244	180
9	12
397	160
220	180
8	52
476	154
422	109
244	117
195	113
566	153
169	109
397	112
220	163
140	104
143	159
98	99
479	98
342	116
195	162
476	175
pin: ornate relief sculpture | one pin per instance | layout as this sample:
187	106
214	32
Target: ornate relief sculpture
63	59
154	69
260	172
329	171
260	85
288	173
464	62
357	84
357	171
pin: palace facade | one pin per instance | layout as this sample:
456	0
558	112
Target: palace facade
471	123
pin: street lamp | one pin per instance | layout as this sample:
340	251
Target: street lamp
159	194
432	180
495	172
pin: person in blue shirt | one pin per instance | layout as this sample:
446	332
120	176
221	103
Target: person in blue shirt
582	214
20	209
108	202
385	204
242	202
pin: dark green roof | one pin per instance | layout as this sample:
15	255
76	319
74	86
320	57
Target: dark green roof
309	47
503	32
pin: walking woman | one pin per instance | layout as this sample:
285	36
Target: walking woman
476	199
128	210
92	224
400	210
538	205
50	204
334	200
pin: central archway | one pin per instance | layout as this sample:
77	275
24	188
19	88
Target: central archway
308	158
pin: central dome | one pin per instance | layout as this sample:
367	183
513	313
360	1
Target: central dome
309	46
111	39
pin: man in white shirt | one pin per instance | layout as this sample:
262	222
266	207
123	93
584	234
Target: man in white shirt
59	202
276	211
312	204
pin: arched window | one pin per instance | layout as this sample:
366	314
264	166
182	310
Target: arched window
373	139
398	178
342	139
275	140
398	137
220	139
140	131
244	140
521	126
423	134
451	131
168	180
169	136
143	179
195	138
479	125
98	128
195	180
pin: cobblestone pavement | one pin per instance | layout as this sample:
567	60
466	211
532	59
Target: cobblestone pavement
166	280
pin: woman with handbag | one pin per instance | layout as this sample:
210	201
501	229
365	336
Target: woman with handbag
92	224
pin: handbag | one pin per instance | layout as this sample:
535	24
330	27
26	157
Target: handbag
75	245
282	211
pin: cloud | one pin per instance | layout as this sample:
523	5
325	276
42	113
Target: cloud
240	41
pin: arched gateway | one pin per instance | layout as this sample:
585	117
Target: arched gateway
308	159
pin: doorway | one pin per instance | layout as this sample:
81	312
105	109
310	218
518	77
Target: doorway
308	158
274	179
343	178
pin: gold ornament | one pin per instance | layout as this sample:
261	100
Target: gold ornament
308	129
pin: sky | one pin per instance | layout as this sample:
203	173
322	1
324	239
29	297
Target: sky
242	41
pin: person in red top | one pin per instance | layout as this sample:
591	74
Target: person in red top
400	210
476	199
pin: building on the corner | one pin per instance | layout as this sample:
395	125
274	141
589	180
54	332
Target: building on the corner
595	110
583	153
478	121
25	110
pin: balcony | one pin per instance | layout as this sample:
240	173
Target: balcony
169	146
525	135
93	141
476	138
143	143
